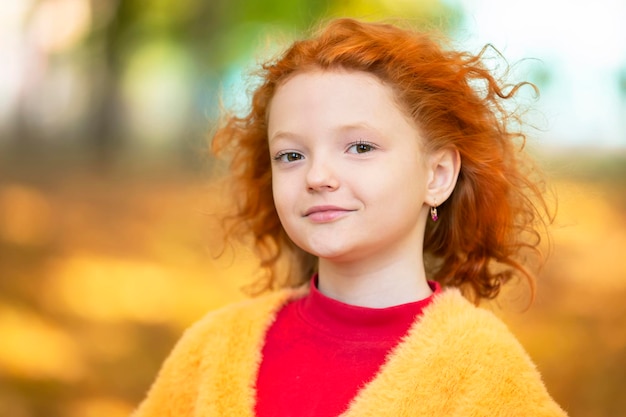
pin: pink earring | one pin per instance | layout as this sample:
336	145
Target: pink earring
433	213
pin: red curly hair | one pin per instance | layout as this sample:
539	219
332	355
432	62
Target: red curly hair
495	211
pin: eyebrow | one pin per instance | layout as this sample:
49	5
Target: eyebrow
283	135
280	134
358	126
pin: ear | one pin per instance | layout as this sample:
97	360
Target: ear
444	166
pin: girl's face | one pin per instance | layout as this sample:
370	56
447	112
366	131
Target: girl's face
348	172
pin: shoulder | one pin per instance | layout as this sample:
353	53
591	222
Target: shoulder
451	311
473	334
461	360
455	331
487	358
209	349
247	314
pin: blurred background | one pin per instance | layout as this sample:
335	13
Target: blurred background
106	229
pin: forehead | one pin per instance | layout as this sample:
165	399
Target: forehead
340	82
333	96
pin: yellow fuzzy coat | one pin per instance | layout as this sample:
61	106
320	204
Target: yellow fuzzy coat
456	360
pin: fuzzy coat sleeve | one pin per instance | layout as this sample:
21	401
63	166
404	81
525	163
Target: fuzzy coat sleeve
212	369
458	360
175	390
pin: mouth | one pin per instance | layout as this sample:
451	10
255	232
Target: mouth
325	214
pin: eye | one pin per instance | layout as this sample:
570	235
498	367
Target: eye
288	157
360	147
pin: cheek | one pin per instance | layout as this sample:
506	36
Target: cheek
402	183
281	194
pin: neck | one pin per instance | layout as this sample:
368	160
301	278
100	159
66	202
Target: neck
374	284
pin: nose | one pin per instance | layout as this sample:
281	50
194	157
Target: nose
321	175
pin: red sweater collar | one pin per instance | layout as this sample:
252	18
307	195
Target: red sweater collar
350	322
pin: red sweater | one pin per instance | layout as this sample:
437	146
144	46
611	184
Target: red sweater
319	352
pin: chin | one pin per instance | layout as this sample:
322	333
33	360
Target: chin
330	254
339	256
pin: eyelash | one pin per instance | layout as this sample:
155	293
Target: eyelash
358	143
280	157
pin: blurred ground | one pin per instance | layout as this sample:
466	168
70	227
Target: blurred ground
101	272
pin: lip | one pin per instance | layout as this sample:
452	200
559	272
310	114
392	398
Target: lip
325	214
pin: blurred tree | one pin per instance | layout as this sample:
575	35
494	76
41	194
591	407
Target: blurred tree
621	82
215	33
216	36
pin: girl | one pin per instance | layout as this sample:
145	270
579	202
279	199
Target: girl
381	169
